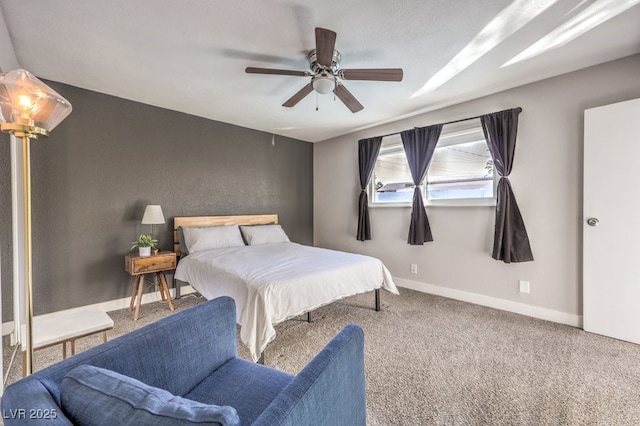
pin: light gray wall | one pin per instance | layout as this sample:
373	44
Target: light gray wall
547	181
93	177
8	59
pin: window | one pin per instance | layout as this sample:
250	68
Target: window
460	173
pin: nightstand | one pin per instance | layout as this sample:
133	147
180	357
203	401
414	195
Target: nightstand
155	264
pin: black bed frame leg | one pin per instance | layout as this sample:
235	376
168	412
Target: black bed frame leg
176	286
377	300
261	359
309	316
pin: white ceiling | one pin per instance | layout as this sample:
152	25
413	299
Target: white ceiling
190	55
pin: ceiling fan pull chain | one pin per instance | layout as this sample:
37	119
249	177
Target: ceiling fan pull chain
316	101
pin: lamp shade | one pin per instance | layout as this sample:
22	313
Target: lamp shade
152	215
26	100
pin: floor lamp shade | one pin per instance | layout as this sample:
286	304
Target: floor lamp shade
29	109
25	100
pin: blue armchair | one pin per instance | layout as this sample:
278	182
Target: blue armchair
184	369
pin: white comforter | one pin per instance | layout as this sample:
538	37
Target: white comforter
274	282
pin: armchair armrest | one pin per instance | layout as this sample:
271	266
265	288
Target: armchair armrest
29	402
330	390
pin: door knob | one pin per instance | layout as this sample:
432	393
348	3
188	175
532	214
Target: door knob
592	221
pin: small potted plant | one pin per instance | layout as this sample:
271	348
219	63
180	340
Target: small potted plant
145	243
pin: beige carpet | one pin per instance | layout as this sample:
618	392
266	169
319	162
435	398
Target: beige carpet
436	361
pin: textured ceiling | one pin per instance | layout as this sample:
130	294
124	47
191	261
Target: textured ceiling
190	55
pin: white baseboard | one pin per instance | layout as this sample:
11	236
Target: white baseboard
493	302
111	305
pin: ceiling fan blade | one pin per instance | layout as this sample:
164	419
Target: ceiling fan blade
298	96
347	98
254	70
325	44
376	74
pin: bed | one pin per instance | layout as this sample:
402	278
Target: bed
271	279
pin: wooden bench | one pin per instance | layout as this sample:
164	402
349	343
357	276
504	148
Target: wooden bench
55	329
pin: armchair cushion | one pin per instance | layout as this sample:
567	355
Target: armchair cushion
222	388
88	390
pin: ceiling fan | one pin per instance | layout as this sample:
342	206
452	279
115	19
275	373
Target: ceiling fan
324	62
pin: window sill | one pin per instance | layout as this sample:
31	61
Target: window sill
440	203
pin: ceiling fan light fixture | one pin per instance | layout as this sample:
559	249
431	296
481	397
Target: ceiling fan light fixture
323	83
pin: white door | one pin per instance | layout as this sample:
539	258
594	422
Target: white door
611	222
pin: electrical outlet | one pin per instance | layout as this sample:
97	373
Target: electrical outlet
414	268
524	286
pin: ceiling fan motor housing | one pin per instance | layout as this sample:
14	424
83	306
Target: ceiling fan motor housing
317	68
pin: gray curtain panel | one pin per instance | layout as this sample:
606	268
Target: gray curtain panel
419	145
368	150
510	241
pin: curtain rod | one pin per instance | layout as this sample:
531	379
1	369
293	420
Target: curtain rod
458	121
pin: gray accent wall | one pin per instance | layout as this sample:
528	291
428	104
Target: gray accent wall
546	179
6	268
92	179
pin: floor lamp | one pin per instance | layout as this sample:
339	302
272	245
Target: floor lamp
29	109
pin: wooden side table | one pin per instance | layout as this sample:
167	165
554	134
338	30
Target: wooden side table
155	264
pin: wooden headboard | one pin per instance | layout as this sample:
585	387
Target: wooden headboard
205	221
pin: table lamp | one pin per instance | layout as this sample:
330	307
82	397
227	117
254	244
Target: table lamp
153	216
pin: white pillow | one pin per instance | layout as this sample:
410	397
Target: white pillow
262	234
200	239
